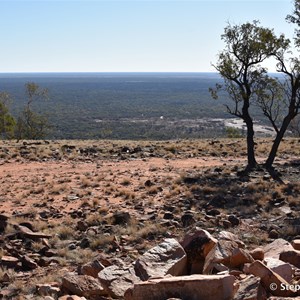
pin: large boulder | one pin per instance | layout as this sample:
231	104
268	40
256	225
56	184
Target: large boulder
197	244
229	236
257	254
238	258
228	253
83	285
92	268
193	287
116	281
296	244
166	258
283	269
291	256
270	280
250	289
276	247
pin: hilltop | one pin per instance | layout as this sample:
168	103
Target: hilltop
65	204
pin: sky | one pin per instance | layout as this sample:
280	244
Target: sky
123	35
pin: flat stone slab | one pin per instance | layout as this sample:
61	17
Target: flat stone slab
30	234
193	287
276	247
270	280
9	261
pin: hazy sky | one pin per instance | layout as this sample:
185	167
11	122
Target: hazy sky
124	36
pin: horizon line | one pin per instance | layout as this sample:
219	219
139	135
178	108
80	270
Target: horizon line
65	72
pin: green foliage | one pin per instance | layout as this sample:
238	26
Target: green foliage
239	64
247	46
124	106
295	19
233	132
270	98
32	125
7	122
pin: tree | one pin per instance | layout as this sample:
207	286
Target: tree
295	19
281	102
233	133
7	122
239	64
32	125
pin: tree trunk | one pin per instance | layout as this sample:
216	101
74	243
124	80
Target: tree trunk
279	136
250	144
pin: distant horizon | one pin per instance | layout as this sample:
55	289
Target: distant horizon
3	74
38	72
119	72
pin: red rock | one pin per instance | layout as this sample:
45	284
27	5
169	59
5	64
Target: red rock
193	287
82	285
292	257
71	297
92	268
4	217
250	289
6	293
283	269
229	236
239	257
276	247
116	281
47	289
257	254
28	263
166	258
226	252
9	261
296	244
197	244
270	280
30	234
235	273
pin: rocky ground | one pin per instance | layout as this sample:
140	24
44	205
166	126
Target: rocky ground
96	218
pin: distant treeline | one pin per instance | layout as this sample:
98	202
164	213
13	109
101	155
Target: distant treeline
122	105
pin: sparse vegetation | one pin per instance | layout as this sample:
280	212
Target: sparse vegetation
77	202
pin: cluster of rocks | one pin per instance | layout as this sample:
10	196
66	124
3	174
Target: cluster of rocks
198	267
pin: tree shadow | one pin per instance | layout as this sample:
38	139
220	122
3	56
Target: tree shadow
261	168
